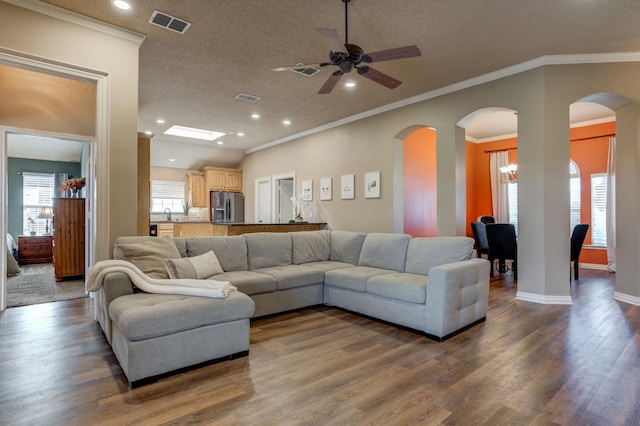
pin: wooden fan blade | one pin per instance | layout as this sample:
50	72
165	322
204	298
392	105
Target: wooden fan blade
295	67
397	53
328	85
331	39
381	78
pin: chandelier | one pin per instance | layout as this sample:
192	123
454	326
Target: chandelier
509	173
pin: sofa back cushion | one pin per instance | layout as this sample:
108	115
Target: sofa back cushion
266	249
230	251
310	246
387	251
149	255
117	253
426	252
346	246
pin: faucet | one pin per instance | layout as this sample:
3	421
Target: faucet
168	212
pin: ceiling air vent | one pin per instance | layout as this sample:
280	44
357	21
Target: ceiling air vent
247	98
308	71
169	22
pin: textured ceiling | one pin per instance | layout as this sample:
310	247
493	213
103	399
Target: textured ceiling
231	46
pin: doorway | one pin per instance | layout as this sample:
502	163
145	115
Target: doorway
283	190
36	166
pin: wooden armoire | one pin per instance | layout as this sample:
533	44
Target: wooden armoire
68	237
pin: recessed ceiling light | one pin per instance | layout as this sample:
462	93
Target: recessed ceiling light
350	84
220	143
240	134
286	122
148	132
255	116
160	121
190	132
121	4
172	159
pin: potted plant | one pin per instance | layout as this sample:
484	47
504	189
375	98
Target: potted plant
185	208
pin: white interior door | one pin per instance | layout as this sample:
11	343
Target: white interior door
283	186
263	200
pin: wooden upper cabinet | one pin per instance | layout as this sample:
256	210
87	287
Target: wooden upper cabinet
221	179
196	189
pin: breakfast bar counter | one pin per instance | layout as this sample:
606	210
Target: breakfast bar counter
208	229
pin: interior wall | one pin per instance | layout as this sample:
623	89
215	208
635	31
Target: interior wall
24	32
420	184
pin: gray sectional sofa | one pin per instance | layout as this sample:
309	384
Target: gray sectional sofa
433	285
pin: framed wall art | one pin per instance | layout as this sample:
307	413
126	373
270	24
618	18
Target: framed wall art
372	185
307	190
326	190
347	191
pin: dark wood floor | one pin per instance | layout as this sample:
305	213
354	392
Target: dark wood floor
527	364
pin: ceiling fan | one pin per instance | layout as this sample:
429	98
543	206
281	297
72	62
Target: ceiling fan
348	57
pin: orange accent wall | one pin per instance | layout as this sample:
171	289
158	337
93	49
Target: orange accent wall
420	191
589	155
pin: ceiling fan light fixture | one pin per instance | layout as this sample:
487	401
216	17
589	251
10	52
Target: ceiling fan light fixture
193	133
350	84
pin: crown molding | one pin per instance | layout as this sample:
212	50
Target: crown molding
78	19
587	58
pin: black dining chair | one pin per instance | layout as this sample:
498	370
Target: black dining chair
577	239
503	246
487	219
480	236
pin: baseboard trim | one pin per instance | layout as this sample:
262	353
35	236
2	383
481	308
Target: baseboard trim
597	266
626	298
544	299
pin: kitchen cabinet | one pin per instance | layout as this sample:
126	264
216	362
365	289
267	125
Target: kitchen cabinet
68	237
165	229
196	189
222	179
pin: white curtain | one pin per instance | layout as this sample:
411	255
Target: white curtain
499	190
611	206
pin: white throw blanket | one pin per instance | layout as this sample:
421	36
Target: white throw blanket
187	287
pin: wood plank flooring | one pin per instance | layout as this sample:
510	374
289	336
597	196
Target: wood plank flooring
527	364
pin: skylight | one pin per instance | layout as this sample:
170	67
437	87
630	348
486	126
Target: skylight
190	132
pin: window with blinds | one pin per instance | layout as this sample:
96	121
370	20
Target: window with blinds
37	192
167	194
599	209
574	194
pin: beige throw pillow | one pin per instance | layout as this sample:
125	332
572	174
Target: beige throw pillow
149	256
198	267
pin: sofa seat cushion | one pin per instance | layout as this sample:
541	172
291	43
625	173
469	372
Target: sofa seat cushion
400	286
291	276
249	282
354	278
327	265
144	316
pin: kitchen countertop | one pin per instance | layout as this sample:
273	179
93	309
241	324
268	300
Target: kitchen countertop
237	223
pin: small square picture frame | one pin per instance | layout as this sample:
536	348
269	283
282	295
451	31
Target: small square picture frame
347	190
326	190
372	185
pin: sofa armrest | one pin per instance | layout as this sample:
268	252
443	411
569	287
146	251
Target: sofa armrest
457	296
115	284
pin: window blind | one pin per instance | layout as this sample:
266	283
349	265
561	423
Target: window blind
599	209
167	194
37	192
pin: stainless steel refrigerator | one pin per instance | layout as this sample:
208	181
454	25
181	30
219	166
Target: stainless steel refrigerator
227	207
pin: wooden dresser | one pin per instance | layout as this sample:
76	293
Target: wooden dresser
35	249
68	237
